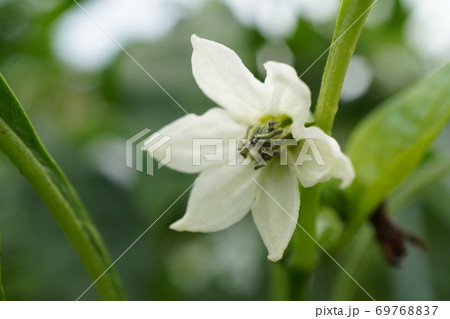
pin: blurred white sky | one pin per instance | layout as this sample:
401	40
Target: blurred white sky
79	42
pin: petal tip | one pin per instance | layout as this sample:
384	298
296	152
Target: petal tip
268	64
349	176
194	38
178	225
198	42
275	257
346	182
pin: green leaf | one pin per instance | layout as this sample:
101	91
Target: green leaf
390	142
356	258
19	141
2	292
355	262
434	167
350	22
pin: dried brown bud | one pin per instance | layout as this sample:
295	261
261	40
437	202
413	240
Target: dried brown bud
391	237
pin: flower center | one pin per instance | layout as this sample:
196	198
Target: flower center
265	138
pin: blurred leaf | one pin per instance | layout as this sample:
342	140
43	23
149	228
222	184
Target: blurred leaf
2	292
431	170
355	261
20	143
390	142
413	189
436	225
328	227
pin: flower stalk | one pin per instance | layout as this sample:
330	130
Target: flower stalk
350	22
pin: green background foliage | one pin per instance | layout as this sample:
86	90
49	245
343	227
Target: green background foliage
2	292
84	118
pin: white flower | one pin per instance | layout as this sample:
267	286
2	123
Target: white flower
225	193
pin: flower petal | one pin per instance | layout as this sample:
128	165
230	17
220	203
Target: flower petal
222	76
327	160
275	209
290	95
221	197
213	127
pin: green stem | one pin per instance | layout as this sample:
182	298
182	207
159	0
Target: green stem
349	24
19	141
290	280
304	253
279	282
305	247
299	284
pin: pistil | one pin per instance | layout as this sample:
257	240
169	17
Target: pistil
264	140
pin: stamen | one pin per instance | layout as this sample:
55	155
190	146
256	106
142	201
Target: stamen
264	140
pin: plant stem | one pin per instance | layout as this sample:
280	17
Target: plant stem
279	282
305	248
19	141
349	24
303	260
